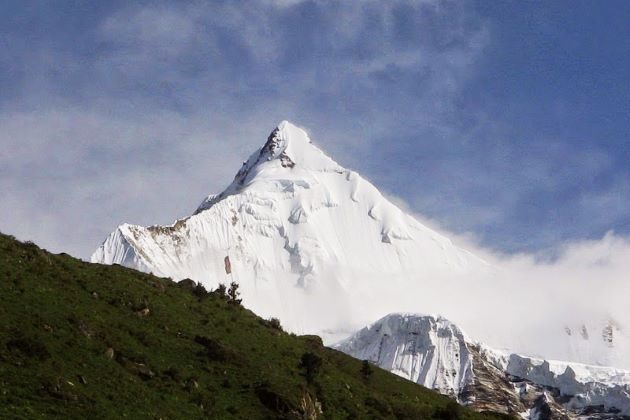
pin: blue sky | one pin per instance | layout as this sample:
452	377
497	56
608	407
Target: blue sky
505	121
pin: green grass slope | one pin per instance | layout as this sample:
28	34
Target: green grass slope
80	340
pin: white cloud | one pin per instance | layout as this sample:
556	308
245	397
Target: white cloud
525	302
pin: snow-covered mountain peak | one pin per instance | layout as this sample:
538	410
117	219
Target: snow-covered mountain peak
415	324
292	146
287	158
302	236
288	147
426	349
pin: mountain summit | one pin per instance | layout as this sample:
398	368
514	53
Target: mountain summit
288	154
309	241
291	146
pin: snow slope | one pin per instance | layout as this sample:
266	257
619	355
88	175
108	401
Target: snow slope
435	353
301	233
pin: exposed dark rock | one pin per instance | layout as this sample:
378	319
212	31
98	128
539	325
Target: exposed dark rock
187	284
273	401
491	390
213	349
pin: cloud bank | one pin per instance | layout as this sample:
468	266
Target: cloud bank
567	305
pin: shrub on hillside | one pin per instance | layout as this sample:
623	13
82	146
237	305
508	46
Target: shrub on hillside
311	363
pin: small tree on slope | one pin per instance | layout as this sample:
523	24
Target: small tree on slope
233	294
311	363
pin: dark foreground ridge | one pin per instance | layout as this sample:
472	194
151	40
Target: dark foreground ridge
81	340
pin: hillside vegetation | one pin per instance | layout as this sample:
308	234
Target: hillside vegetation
80	340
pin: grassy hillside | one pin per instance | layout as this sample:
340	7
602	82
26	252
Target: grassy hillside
80	340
